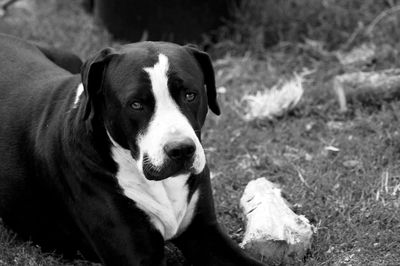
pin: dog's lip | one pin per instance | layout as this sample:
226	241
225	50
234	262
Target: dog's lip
165	173
151	176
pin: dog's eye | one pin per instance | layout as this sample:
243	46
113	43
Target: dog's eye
136	106
190	96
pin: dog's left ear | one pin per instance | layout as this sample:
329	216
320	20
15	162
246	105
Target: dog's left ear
93	72
209	78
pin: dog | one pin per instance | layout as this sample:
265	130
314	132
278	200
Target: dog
110	163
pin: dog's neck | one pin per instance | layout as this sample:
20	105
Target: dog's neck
87	141
169	203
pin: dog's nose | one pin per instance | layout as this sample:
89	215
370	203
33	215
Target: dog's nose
180	150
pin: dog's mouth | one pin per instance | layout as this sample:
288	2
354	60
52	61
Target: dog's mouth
168	169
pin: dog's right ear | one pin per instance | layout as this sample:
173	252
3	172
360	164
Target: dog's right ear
93	74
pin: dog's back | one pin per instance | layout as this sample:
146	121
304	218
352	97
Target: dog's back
23	66
30	95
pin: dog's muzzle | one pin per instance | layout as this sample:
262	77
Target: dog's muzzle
180	155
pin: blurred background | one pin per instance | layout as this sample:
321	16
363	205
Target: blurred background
335	157
229	26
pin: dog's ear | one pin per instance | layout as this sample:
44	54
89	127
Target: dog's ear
209	78
93	72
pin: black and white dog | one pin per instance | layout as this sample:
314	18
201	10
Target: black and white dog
110	163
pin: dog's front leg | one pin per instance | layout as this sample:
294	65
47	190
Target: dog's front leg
117	231
203	242
207	245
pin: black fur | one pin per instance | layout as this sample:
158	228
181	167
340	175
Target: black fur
63	59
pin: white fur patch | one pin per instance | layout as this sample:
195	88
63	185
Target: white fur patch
79	92
168	122
165	202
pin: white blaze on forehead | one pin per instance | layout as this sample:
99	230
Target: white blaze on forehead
168	123
79	91
159	78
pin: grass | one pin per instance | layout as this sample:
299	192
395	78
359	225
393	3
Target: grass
357	217
351	196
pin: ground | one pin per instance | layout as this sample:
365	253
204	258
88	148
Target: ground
352	196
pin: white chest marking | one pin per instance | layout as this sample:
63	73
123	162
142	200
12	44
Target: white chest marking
79	91
166	201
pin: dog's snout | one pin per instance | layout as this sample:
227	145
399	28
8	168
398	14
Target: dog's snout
180	150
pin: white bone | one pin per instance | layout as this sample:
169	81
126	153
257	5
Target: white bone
273	231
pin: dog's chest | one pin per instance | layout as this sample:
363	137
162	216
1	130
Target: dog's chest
166	202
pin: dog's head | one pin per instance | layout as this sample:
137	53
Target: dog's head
152	98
